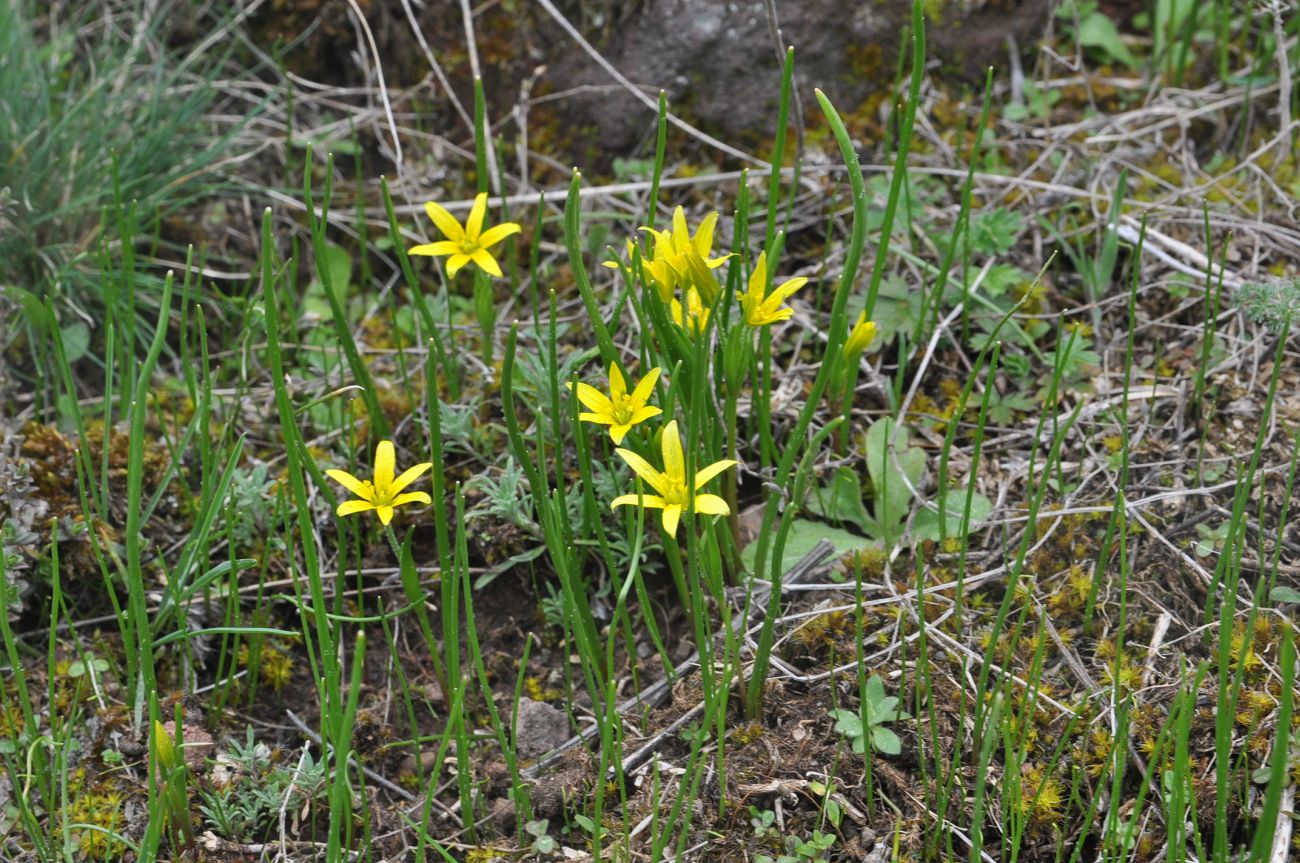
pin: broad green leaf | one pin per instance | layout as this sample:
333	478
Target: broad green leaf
894	471
898	308
885	741
1282	593
1098	31
804	534
841	500
33	308
339	263
76	340
926	525
875	690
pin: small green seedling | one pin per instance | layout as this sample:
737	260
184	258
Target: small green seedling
762	820
1210	539
830	808
78	668
802	850
878	710
543	843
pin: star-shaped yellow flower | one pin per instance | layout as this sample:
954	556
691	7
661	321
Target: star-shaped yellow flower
384	494
761	308
677	240
620	410
672	485
470	243
860	337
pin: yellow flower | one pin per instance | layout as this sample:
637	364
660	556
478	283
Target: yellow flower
671	485
677	241
470	243
860	337
385	493
761	308
696	315
163	746
667	264
620	410
669	267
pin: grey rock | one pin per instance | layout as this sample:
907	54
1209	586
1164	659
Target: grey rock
542	727
720	65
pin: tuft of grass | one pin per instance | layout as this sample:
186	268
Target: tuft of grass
95	115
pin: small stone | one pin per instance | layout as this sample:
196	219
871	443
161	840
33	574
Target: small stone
542	728
196	743
501	816
428	758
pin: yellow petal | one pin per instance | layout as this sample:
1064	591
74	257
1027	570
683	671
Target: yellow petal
643	469
385	463
444	247
594	399
644	413
618	432
681	235
409	476
489	264
671	444
412	497
445	222
645	386
617	384
781	294
455	262
758	278
705	474
771	315
358	487
348	507
385	513
711	504
497	233
672	515
474	224
602	419
649	501
704	234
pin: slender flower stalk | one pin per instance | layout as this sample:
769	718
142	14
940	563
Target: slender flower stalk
761	308
620	410
857	341
384	493
466	244
672	485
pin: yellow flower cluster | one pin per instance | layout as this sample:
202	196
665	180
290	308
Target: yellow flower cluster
676	262
621	410
679	262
